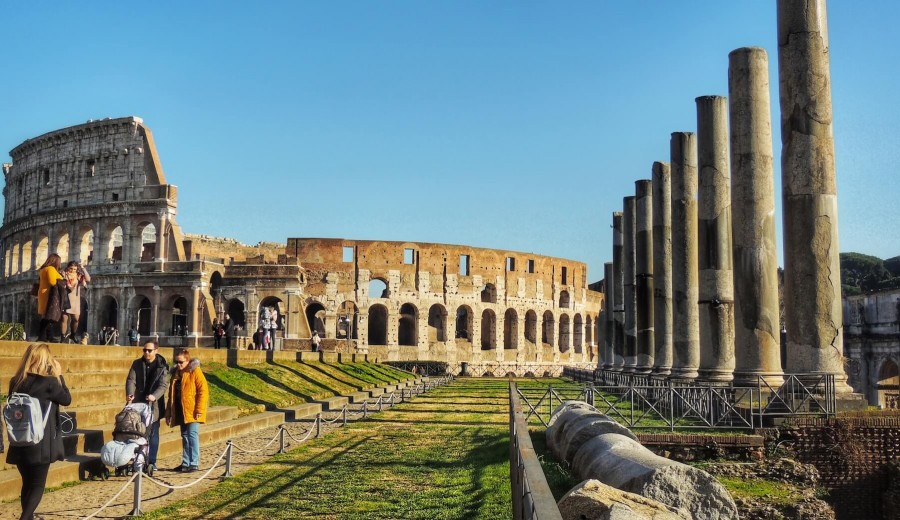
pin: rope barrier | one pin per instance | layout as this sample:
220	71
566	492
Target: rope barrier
137	477
110	501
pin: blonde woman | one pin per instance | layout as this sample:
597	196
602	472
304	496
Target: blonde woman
186	404
39	375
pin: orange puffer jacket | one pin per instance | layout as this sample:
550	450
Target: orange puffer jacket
194	394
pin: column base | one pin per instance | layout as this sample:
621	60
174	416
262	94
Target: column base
715	377
745	379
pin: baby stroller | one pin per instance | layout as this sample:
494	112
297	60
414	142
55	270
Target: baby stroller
128	450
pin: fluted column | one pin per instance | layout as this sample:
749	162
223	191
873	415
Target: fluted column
757	325
716	284
662	269
643	277
618	301
685	284
812	284
628	284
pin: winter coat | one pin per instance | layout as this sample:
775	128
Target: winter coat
76	291
194	394
48	278
144	380
51	394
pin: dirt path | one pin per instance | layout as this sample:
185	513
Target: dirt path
85	498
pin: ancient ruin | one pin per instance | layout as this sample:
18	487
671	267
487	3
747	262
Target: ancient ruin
96	193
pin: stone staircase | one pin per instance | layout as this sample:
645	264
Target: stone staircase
96	376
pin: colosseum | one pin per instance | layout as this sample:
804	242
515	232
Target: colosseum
96	193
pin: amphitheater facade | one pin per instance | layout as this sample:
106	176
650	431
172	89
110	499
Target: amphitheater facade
96	193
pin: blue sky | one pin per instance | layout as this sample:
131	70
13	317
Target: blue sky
511	125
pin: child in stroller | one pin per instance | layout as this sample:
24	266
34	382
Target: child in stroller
128	450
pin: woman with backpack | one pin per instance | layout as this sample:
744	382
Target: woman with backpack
39	376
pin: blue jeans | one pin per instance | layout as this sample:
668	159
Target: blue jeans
190	444
153	438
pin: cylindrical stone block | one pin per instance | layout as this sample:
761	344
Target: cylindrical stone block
685	284
716	284
662	269
628	230
609	317
812	284
618	305
757	325
643	274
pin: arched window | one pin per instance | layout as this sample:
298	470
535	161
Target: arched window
464	323
378	288
408	325
531	327
378	316
488	330
437	323
510	329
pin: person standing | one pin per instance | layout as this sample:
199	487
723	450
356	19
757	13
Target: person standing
147	382
188	399
229	330
273	324
218	332
39	375
315	341
50	306
77	279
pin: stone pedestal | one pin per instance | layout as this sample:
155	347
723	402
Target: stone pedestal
716	284
757	322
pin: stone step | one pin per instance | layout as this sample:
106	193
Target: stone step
9	365
76	467
333	403
15	349
98	394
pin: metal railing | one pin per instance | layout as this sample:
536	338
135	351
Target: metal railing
531	495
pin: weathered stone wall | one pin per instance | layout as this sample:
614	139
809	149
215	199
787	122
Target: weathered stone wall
852	456
872	345
229	250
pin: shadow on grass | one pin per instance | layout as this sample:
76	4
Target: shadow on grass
331	391
355	384
343	370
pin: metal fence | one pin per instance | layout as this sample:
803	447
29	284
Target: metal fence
531	495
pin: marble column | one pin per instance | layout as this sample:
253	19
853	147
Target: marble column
643	274
685	284
757	325
716	283
628	285
617	303
609	323
812	284
662	269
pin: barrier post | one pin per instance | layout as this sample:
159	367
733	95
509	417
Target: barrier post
281	439
392	399
136	510
228	446
318	425
345	414
380	401
365	409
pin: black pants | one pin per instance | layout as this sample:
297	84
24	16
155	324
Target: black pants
50	331
34	478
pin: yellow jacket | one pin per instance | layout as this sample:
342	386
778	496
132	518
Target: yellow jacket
194	395
48	278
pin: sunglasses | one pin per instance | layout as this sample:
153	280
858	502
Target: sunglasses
149	350
181	362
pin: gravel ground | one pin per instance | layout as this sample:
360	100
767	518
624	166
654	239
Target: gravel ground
84	499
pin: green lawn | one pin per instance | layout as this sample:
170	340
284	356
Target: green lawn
442	456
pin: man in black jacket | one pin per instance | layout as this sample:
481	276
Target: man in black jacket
147	382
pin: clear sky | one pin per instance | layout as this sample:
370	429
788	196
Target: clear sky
510	125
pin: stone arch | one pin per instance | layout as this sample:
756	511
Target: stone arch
488	330
531	326
464	322
589	331
315	316
26	262
378	320
114	249
510	329
109	312
146	246
235	310
141	312
548	328
41	251
348	321
62	247
564	300
180	310
407	325
437	323
378	288
275	303
564	332
215	292
889	385
489	294
85	238
171	246
578	336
